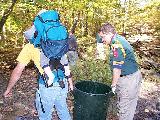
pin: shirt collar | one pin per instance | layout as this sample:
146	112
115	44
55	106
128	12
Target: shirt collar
113	39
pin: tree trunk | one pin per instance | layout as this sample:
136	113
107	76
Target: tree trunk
5	15
86	23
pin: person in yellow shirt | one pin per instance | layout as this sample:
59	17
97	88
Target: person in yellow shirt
46	98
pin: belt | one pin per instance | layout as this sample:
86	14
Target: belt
126	75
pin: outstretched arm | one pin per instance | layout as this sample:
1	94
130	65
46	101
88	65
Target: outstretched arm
68	74
16	74
116	76
70	81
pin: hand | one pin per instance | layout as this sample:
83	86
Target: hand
7	93
71	87
70	84
113	88
49	82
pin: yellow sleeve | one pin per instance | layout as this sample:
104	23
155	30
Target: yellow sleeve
24	56
28	53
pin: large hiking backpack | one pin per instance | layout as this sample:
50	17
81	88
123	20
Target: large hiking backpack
73	46
72	43
72	53
72	39
52	35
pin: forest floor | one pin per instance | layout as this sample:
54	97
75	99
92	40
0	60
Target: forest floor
22	102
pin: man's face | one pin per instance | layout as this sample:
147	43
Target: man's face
106	38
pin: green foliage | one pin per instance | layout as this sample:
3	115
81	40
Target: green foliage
125	16
95	70
88	68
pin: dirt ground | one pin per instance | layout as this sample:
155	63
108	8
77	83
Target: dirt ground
22	103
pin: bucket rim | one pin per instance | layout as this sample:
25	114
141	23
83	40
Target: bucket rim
91	94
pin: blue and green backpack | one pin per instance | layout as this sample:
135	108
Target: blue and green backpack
52	36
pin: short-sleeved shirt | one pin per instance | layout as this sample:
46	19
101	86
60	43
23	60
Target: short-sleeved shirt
122	55
30	53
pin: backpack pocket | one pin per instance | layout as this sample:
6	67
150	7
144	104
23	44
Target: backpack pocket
54	48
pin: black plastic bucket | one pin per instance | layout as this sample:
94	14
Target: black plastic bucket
91	100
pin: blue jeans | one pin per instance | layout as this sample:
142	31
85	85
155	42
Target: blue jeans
50	97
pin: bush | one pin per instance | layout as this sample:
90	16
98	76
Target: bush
92	69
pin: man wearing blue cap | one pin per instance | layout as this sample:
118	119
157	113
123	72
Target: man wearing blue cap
126	77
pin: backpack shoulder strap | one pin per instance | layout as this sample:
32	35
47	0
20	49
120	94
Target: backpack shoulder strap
40	18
